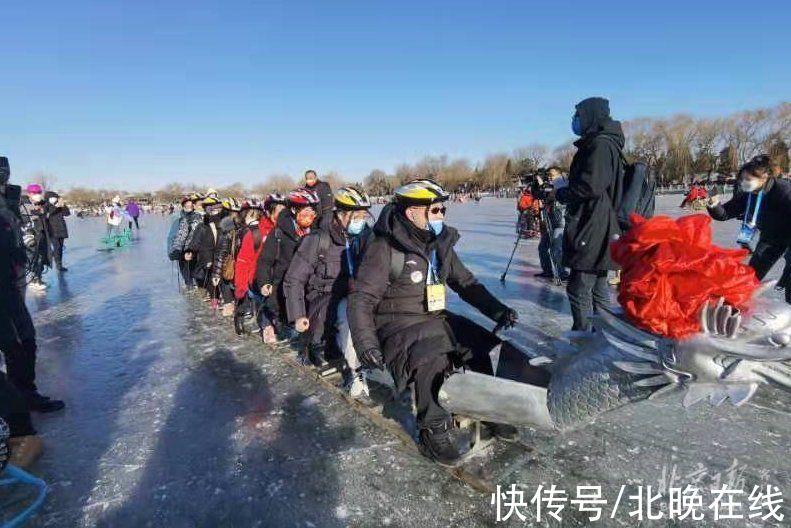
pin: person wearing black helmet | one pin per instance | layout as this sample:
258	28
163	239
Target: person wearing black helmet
397	311
292	225
317	283
56	211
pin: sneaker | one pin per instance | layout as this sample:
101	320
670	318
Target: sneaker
63	269
443	443
505	432
358	387
269	335
39	403
25	450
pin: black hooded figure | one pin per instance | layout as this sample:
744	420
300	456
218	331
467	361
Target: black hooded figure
593	197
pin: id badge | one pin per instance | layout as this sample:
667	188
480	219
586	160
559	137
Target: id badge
435	296
745	235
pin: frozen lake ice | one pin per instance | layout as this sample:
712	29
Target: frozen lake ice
174	421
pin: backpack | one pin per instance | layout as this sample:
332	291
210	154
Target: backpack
229	265
639	191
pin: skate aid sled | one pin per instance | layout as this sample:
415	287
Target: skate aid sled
14	478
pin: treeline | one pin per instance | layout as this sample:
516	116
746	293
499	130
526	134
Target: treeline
678	149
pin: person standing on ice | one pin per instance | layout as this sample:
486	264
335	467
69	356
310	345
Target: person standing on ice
57	212
324	192
398	318
134	212
592	198
763	205
317	283
180	236
115	217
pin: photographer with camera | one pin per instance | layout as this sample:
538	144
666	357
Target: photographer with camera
17	334
553	222
763	206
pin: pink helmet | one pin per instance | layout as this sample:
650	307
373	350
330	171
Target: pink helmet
34	188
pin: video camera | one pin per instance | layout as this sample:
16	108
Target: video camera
11	193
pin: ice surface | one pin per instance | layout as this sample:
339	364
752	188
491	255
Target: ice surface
174	421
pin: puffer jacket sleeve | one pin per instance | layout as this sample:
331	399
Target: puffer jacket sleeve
223	251
733	208
366	292
463	282
301	269
266	260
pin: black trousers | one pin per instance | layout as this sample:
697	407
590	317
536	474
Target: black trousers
765	256
587	291
57	251
187	269
14	410
18	342
472	339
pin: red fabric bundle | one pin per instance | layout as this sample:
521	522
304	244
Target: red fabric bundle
671	268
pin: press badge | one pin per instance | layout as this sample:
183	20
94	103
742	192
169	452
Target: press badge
435	297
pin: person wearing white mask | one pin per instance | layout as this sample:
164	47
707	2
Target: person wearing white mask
763	205
56	211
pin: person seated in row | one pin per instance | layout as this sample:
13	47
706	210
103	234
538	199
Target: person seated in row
317	284
399	320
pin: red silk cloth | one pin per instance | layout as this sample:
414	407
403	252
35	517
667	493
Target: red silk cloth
670	268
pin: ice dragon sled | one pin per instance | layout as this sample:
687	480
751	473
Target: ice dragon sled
592	373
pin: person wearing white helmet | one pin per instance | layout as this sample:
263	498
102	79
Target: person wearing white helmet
317	283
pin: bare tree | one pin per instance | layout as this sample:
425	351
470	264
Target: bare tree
563	155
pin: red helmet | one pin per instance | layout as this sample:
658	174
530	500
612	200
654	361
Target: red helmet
275	198
302	197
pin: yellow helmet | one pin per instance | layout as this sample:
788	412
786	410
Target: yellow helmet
231	204
351	198
210	200
421	192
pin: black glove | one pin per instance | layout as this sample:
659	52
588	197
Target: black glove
372	359
507	319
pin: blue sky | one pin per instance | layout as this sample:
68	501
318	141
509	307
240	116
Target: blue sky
137	94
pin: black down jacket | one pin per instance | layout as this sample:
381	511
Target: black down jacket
279	248
318	277
56	220
228	242
595	189
204	241
393	316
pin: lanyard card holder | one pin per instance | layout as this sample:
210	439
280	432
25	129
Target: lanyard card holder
435	291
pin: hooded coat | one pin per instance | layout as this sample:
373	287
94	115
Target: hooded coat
393	316
56	214
595	190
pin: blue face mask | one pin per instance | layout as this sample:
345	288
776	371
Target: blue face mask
576	125
436	226
355	227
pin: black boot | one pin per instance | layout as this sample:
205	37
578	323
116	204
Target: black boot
505	432
43	404
443	443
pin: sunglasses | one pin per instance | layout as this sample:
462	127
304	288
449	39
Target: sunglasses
438	209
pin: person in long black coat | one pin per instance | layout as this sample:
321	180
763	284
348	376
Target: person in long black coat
593	196
56	212
325	194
